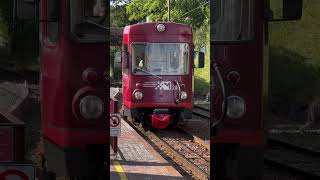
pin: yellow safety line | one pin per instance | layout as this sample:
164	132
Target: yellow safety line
119	170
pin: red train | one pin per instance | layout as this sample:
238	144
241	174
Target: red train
74	87
157	73
239	75
74	84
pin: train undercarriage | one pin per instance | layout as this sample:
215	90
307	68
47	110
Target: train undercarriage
158	118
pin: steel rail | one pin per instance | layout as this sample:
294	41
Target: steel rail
306	166
290	145
200	114
196	139
273	162
200	107
178	158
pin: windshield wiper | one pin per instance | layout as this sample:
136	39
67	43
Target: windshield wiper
94	23
147	72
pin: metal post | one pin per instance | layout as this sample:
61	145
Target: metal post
114	140
169	10
115	144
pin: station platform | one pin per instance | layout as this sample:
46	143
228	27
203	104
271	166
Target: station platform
137	159
12	95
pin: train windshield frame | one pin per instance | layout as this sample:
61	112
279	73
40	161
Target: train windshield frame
84	20
233	21
161	59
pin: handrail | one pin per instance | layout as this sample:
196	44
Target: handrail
215	125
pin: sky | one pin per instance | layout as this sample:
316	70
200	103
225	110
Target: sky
121	3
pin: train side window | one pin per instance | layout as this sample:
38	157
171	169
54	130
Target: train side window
125	58
232	20
52	17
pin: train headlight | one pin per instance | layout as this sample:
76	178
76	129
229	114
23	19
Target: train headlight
183	95
236	107
161	27
91	107
138	95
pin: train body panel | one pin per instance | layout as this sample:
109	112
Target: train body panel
157	64
74	87
242	67
64	59
239	82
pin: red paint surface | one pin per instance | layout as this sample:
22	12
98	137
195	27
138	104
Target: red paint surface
146	32
62	66
77	137
243	137
160	121
6	144
247	59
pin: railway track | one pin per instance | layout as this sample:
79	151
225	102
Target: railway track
201	112
11	74
293	158
182	148
284	155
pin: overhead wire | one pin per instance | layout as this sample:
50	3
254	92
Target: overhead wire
192	10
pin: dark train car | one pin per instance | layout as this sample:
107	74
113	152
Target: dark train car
74	84
239	76
157	73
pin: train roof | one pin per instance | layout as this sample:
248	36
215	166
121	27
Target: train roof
150	28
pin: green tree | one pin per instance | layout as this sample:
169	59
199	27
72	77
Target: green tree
193	12
119	16
5	18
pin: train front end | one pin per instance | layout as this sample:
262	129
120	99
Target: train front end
74	89
157	68
239	78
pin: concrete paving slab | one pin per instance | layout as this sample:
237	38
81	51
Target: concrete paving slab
137	159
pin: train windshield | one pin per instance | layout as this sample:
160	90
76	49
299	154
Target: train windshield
232	20
160	58
87	18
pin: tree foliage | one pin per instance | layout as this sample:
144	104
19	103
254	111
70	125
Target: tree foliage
5	15
193	12
119	16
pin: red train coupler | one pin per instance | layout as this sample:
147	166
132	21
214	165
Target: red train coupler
160	121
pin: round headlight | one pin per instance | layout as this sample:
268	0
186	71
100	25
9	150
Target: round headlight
236	107
138	95
91	107
161	27
183	95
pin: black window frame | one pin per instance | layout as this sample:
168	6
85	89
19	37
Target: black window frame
74	37
230	42
53	11
125	58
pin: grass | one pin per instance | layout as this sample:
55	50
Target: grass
295	56
202	78
301	36
3	33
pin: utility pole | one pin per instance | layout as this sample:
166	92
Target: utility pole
169	10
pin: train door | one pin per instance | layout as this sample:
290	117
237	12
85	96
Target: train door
239	83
